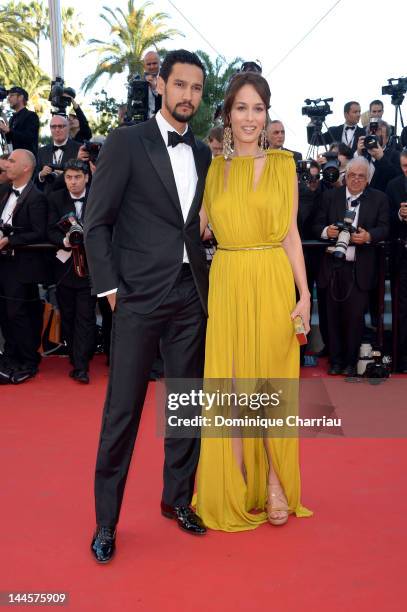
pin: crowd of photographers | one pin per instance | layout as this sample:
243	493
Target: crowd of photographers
352	198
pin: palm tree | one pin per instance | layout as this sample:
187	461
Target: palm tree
131	33
15	38
218	74
35	15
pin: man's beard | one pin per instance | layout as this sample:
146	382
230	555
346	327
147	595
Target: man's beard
177	116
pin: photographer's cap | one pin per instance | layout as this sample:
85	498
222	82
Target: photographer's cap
20	91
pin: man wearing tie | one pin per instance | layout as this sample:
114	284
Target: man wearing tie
75	301
349	283
59	152
348	132
23	211
144	251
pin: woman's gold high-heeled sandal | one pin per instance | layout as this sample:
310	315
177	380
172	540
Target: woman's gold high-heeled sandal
276	503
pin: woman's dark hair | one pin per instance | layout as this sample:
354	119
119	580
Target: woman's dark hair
236	83
180	56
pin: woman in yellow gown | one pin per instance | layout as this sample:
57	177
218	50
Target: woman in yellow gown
250	202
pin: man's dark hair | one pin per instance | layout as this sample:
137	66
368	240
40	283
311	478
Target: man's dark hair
377	102
76	164
216	133
348	105
180	56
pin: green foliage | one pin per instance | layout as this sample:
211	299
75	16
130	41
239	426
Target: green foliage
132	33
218	74
107	109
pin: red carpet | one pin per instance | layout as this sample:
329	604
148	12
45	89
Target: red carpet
350	555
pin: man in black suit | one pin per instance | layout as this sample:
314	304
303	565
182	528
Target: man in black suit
73	292
384	161
397	193
23	128
348	284
59	152
348	132
142	239
23	210
276	138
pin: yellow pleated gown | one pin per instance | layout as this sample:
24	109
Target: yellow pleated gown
250	333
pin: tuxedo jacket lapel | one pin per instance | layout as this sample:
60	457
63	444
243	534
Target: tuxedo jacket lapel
22	198
158	154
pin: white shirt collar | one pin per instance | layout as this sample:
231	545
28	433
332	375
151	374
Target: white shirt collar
166	127
80	197
351	196
21	188
61	144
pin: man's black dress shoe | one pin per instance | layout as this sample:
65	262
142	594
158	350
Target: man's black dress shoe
335	369
185	517
103	544
350	371
5	376
22	374
80	376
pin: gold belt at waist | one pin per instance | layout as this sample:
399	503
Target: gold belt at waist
262	247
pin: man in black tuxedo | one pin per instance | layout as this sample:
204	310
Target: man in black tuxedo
276	138
23	128
59	152
348	284
348	132
397	193
384	160
23	210
142	240
73	292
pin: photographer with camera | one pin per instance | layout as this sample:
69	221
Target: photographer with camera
384	163
52	157
23	214
65	219
79	129
350	216
348	132
397	193
151	62
23	128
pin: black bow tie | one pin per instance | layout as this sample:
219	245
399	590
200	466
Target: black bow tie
354	203
174	139
16	192
58	148
350	127
74	200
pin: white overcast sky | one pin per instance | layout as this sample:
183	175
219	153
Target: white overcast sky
349	55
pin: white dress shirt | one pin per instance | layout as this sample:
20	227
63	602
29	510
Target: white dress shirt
78	205
7	214
350	251
56	156
348	135
184	170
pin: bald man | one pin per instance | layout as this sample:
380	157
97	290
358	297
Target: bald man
151	62
23	213
61	149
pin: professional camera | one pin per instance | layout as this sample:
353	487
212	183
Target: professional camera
303	168
395	89
73	230
137	100
330	170
57	98
251	67
3	93
346	229
317	109
50	178
371	140
379	367
93	148
5	229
